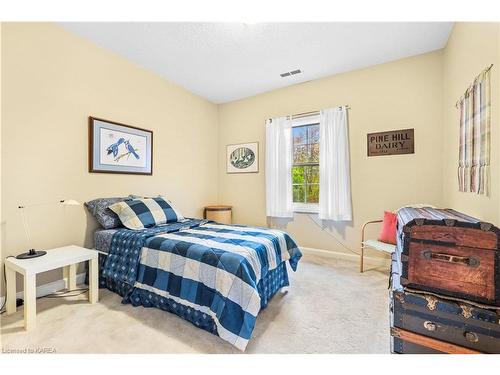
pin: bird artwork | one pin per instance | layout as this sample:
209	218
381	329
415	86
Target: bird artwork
242	157
129	149
114	147
118	148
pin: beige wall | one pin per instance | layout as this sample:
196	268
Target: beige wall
471	48
397	95
52	81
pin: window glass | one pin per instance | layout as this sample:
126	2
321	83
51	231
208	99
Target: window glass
305	169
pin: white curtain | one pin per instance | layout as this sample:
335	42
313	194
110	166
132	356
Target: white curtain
334	174
279	167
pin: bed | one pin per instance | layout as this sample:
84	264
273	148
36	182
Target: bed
103	238
216	276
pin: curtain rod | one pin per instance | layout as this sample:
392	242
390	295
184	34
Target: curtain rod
461	99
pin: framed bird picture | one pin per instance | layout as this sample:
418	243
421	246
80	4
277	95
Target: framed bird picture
119	148
242	158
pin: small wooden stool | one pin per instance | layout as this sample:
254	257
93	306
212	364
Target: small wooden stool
219	213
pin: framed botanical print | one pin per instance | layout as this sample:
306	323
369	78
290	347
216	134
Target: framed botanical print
242	158
119	148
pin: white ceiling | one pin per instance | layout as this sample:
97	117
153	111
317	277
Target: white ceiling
228	61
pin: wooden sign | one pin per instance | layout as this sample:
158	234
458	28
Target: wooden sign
395	142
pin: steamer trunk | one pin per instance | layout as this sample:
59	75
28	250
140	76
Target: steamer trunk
449	253
421	323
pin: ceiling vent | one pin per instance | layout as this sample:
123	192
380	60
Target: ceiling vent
292	73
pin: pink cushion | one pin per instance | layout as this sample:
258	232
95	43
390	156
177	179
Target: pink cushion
388	232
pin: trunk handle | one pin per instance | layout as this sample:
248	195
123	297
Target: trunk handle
449	258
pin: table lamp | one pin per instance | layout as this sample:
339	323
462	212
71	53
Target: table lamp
32	253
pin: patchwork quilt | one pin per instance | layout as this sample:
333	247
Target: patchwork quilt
211	268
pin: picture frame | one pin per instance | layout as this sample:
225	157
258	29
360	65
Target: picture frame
242	158
119	148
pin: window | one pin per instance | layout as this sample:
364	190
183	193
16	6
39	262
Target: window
305	168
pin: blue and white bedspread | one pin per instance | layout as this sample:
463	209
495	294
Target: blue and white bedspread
212	268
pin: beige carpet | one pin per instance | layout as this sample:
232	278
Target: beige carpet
329	308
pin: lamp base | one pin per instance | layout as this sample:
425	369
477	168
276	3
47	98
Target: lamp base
32	253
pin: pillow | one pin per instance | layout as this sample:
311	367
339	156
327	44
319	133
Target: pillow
99	208
135	196
146	212
388	233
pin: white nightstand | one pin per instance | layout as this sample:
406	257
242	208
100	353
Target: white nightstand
67	257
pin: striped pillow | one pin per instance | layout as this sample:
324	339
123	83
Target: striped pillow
145	213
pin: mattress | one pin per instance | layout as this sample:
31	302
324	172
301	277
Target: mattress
102	239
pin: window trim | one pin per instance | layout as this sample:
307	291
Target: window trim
305	208
306	120
312	208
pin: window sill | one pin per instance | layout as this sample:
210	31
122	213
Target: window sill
305	208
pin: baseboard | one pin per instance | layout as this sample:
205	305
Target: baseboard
374	261
49	288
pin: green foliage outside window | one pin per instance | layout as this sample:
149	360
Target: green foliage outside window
305	170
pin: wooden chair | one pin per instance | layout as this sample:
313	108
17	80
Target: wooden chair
373	244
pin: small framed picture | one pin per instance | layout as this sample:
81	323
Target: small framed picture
119	148
242	158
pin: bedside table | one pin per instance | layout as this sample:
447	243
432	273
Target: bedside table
219	213
67	257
